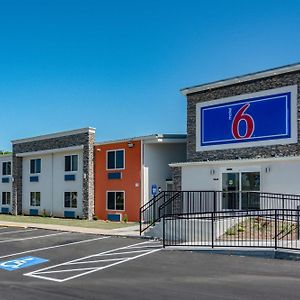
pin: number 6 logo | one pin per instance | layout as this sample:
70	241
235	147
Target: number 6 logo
242	116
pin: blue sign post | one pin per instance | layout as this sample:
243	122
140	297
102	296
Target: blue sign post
154	190
252	119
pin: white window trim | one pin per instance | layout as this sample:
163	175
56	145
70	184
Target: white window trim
10	168
32	174
35	206
5	205
114	150
70	208
71	172
114	191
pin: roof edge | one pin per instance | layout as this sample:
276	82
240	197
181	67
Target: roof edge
54	135
240	79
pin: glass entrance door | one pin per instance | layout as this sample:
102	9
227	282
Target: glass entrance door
230	187
239	190
250	183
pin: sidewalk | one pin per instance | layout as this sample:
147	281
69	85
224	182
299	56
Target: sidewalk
132	231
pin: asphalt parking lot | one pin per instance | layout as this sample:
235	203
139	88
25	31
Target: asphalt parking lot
43	264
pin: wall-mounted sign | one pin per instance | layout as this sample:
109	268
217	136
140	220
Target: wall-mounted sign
263	118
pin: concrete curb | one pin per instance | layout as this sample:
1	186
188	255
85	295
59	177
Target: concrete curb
130	232
249	252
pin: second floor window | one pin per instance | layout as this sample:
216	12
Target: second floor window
115	159
6	168
35	166
71	163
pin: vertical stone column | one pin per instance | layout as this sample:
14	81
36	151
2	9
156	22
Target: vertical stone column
17	172
88	201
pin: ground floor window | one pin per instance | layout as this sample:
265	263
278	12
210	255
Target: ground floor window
71	199
35	199
6	198
115	200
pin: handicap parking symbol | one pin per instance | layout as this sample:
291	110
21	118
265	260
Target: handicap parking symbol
20	263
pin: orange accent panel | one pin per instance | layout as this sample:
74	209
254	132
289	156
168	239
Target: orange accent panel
130	182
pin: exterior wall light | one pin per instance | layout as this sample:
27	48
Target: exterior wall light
130	145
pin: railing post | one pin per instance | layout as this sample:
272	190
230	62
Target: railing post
164	232
276	219
140	221
298	219
212	230
215	201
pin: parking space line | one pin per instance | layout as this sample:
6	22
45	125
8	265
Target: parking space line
49	273
56	246
32	237
18	231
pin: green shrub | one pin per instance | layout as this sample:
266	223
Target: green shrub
125	218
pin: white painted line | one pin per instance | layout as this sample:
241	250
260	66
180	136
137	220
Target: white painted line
95	261
85	271
18	231
127	252
53	247
32	238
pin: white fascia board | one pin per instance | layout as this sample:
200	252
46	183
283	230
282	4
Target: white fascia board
54	135
165	141
235	161
50	151
240	79
6	155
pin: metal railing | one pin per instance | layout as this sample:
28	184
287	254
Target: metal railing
265	228
180	202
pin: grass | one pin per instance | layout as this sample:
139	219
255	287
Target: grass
67	222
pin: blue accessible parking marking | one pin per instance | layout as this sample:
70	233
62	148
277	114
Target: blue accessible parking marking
20	263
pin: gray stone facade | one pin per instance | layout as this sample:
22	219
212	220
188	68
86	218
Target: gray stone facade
176	177
253	86
84	138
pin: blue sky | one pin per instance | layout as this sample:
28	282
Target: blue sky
119	65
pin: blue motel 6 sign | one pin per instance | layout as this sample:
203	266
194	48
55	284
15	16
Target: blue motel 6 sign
263	118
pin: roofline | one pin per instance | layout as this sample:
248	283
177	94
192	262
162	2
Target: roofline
6	155
54	135
240	79
146	138
234	161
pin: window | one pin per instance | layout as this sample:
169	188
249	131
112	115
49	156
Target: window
6	198
6	168
115	200
71	199
35	166
35	199
115	159
71	163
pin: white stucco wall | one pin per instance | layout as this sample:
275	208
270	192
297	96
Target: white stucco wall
277	176
52	184
5	187
157	157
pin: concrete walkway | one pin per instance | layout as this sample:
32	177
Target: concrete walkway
131	231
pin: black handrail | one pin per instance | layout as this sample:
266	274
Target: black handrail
211	201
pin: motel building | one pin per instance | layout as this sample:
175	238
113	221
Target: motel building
53	175
243	136
129	172
6	183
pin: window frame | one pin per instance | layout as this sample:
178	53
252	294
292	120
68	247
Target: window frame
6	204
70	207
115	151
124	200
71	163
35	200
35	159
6	162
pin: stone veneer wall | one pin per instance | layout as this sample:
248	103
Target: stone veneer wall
176	177
86	139
234	90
